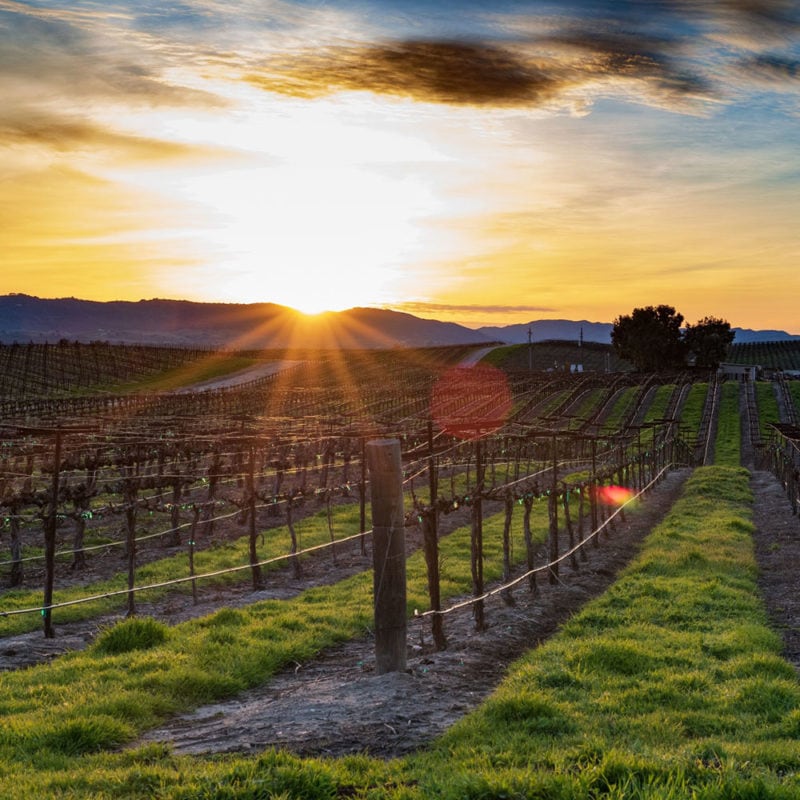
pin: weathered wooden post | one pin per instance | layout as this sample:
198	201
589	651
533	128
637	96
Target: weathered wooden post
250	500
553	514
388	554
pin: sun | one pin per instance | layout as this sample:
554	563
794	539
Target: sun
317	223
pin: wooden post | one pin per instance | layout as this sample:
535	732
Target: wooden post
507	595
430	533
388	554
297	569
362	497
529	549
431	548
553	514
568	522
250	484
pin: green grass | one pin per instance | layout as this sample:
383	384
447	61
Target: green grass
692	411
275	542
311	531
728	444
668	687
767	405
594	357
658	408
794	391
619	408
588	406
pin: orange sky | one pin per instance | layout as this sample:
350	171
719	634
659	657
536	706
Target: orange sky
472	166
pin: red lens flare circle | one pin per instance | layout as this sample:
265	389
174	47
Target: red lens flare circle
613	495
471	401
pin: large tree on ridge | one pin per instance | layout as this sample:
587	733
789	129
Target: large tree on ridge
708	341
650	338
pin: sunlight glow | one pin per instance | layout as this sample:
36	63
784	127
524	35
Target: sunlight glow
316	214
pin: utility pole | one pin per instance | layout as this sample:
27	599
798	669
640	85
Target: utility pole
530	350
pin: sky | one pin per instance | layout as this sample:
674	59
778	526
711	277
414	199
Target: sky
479	163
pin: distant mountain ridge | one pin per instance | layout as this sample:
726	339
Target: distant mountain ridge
24	318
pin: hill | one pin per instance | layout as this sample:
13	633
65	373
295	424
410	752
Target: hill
243	326
24	318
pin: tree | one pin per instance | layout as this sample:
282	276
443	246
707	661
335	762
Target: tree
708	341
650	338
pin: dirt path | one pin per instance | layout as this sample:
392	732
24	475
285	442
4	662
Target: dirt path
242	376
777	548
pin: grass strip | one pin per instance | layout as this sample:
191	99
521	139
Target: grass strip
658	408
728	444
311	531
619	408
767	404
669	686
794	391
214	366
692	411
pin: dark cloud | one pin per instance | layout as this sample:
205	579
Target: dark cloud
672	53
61	133
775	19
772	69
480	74
756	17
624	55
458	73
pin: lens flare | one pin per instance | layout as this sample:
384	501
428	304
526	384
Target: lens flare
613	495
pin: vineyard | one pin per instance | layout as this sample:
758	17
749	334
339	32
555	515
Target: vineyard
164	549
782	355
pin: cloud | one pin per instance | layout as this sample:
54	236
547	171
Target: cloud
529	74
50	58
675	54
772	69
431	308
63	133
754	20
449	72
65	75
749	23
